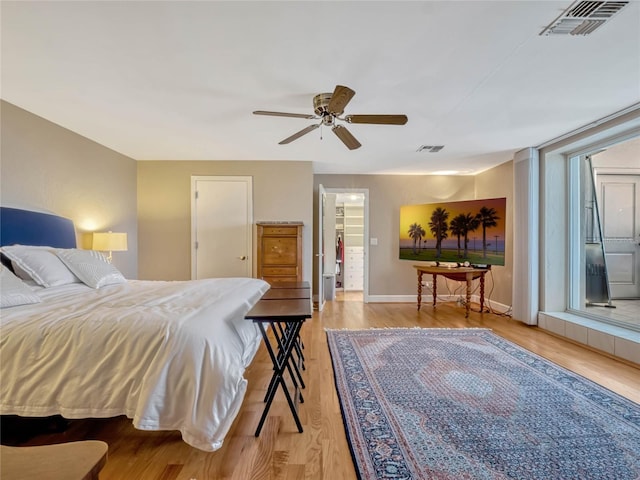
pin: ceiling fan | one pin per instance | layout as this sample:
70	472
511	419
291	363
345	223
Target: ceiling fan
328	107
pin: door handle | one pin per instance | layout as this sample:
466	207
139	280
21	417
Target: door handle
243	257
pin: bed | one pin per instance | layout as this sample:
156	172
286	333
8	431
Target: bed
168	355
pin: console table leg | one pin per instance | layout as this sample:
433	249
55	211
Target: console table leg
468	303
434	290
419	289
482	293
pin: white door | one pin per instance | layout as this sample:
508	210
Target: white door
620	215
221	226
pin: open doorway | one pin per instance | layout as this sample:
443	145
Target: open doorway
345	234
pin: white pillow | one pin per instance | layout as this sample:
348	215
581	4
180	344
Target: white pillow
13	292
41	264
20	273
91	267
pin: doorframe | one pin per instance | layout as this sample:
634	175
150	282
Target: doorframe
194	227
320	255
621	171
365	239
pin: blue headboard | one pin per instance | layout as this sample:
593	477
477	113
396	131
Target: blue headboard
25	227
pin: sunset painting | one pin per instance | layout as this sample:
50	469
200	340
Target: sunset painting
470	231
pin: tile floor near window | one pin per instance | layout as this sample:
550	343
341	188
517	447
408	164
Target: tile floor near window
627	311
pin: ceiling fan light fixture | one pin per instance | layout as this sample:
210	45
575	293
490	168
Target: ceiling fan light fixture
330	106
320	103
328	120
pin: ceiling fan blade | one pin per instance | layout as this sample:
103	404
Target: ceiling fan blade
346	137
377	119
339	99
283	114
302	132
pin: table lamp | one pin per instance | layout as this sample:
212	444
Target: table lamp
109	242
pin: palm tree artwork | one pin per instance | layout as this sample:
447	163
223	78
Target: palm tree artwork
416	232
457	229
461	226
439	226
487	218
470	224
450	227
421	234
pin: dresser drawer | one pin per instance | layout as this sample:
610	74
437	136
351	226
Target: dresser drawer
353	282
354	270
279	251
280	231
355	258
273	280
279	271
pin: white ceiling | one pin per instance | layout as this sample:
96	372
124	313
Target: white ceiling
179	80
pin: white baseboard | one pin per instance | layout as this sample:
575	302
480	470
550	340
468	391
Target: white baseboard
428	300
392	299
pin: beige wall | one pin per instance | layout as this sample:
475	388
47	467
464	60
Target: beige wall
47	167
495	183
625	155
388	275
281	191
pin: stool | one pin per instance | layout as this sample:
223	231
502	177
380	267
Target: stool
64	461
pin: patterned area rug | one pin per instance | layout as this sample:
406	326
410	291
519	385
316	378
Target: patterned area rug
467	404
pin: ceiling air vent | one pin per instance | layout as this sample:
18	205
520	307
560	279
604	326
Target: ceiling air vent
430	148
582	18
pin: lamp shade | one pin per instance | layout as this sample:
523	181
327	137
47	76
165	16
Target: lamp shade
110	242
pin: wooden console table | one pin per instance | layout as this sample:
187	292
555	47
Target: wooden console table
460	274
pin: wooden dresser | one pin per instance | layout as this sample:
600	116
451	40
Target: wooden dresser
279	254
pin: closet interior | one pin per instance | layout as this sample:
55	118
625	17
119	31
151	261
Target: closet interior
349	241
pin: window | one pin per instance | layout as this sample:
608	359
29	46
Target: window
604	234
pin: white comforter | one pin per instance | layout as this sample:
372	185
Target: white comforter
169	355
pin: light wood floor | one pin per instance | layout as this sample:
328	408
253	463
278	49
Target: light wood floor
321	451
